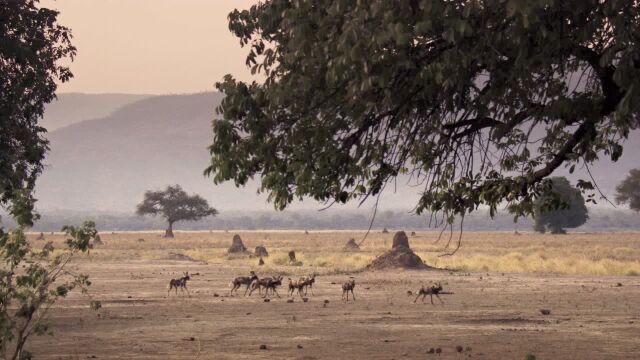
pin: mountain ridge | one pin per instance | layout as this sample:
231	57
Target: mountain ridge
106	163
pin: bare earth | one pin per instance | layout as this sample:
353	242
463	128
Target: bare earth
490	315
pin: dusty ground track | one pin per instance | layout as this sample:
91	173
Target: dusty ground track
491	315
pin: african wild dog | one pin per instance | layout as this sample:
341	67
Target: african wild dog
236	283
179	283
259	284
348	286
295	285
273	284
431	290
307	283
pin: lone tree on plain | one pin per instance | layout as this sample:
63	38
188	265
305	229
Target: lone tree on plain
174	204
628	191
478	101
563	207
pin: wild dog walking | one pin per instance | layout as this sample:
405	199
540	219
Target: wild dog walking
236	283
307	283
272	284
349	286
259	284
295	285
179	283
431	290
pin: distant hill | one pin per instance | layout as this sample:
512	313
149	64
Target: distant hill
106	162
71	108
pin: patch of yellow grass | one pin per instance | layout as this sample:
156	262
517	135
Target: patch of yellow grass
516	262
321	251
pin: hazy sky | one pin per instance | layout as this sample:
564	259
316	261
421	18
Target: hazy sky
151	46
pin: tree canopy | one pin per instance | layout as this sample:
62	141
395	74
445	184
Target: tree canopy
560	208
174	204
628	191
32	49
478	102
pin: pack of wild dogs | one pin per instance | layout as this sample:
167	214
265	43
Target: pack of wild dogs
301	286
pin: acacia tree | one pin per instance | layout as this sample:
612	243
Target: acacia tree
476	101
628	191
560	208
174	204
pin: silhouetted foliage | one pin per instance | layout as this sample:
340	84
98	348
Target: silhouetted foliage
32	47
479	101
174	204
628	191
562	207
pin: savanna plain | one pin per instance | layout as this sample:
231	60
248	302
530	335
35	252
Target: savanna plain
497	285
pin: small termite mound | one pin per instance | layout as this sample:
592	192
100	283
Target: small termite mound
261	251
236	246
351	246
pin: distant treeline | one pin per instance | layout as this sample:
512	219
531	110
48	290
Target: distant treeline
599	220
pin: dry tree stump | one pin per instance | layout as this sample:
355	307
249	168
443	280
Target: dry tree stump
261	251
236	246
351	245
292	256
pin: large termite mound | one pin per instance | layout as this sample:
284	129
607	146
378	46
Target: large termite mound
400	256
236	246
351	245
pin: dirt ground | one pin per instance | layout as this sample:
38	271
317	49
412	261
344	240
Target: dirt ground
489	315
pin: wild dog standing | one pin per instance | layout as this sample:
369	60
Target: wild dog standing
431	290
179	283
348	286
236	283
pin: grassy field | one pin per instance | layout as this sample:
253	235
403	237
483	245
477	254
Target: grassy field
493	310
322	251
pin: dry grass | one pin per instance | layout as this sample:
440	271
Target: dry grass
321	251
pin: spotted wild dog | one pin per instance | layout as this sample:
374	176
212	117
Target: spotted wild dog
295	285
431	290
259	284
307	283
179	283
272	285
236	283
348	286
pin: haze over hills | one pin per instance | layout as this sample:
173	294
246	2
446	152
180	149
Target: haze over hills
132	143
71	108
106	164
